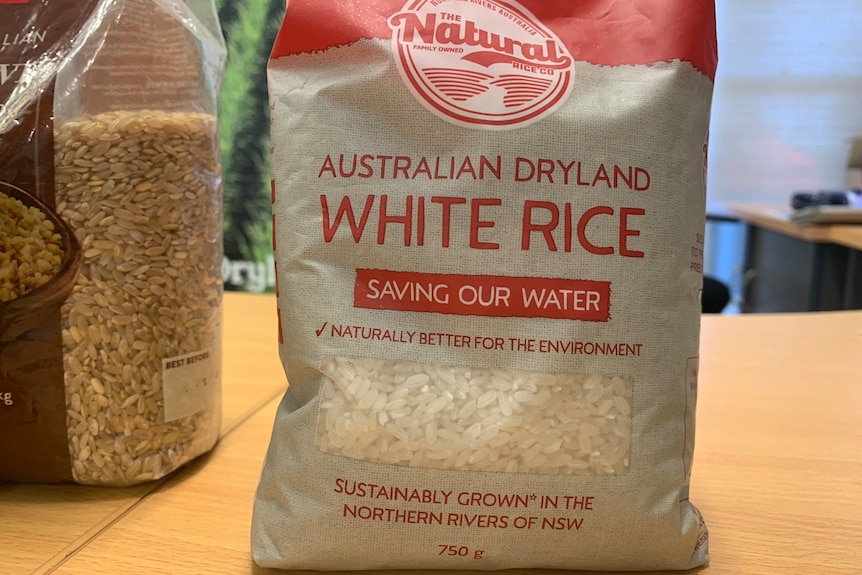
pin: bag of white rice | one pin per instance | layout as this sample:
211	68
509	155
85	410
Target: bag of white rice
488	228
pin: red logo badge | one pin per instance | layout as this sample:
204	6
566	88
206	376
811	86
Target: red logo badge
481	63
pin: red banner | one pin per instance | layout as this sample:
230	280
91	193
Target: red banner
602	32
483	295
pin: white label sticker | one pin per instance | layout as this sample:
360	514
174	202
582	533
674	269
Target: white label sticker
189	382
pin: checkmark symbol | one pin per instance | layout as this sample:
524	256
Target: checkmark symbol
320	331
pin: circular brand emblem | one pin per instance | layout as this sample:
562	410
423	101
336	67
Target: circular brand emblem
481	63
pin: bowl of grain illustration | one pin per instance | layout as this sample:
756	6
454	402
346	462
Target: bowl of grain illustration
39	262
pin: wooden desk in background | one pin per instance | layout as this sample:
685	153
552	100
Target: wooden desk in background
791	268
777	474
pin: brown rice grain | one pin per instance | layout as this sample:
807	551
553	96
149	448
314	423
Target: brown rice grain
106	168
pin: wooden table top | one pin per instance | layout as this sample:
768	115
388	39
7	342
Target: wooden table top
777	219
777	474
42	525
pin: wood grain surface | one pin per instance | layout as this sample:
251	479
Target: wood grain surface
777	473
776	218
42	525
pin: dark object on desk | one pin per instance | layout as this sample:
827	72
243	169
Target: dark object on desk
826	207
800	200
715	296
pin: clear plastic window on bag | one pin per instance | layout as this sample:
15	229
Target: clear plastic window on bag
451	417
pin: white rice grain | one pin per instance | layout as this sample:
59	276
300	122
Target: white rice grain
472	418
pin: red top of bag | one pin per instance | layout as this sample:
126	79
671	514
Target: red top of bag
602	32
